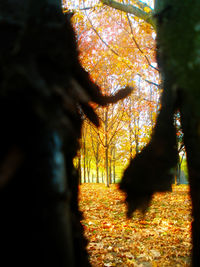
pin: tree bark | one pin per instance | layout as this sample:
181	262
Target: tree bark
40	220
131	9
178	44
106	147
114	159
97	162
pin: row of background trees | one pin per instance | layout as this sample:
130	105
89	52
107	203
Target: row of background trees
117	48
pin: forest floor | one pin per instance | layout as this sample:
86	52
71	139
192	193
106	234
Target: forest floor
160	238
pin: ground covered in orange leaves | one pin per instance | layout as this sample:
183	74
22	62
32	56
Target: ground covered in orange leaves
160	238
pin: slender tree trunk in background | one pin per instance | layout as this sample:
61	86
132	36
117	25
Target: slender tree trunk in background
110	166
84	152
150	115
97	175
97	162
84	161
130	142
178	171
102	177
88	163
112	151
136	134
79	167
130	129
137	123
114	165
107	167
106	147
95	152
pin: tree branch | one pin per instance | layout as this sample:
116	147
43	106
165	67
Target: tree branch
137	45
142	5
105	43
147	17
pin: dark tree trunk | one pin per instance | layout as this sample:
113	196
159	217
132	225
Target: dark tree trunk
192	143
42	90
179	43
178	55
40	220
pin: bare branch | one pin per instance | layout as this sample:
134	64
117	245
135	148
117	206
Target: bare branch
106	44
137	45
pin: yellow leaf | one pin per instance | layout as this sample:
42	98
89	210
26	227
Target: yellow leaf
147	9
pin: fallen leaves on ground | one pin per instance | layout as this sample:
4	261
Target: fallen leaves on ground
162	237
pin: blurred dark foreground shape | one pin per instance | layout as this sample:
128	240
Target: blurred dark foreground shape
44	93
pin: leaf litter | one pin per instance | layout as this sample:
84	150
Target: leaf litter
161	237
